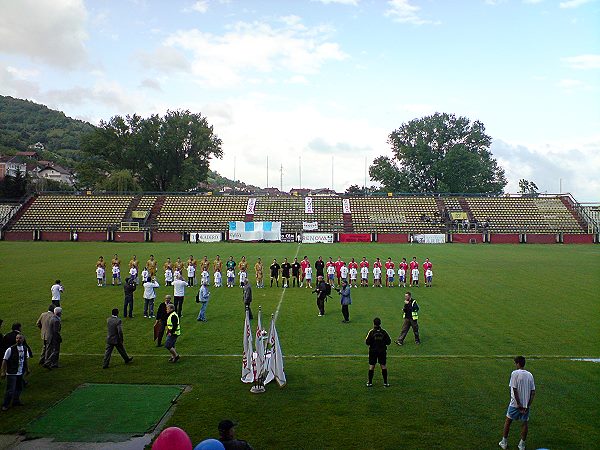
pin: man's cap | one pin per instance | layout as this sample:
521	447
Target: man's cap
226	425
57	310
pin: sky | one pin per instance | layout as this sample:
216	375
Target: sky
315	87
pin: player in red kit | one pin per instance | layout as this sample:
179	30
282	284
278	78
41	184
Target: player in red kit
303	265
426	265
338	267
413	265
402	273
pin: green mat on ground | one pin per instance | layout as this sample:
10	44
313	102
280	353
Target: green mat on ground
105	412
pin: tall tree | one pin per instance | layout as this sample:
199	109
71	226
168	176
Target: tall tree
440	153
527	187
171	152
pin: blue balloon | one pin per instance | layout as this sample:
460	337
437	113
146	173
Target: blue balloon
210	444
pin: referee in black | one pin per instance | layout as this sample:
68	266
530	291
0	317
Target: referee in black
378	339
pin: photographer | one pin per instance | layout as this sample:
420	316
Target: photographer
129	288
345	300
322	290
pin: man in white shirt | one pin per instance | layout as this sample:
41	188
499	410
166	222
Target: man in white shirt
149	295
14	366
178	294
522	391
56	289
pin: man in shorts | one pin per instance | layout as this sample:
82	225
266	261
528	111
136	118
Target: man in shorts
378	339
522	391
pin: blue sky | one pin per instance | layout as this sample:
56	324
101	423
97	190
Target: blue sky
313	82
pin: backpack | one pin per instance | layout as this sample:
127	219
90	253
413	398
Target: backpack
327	289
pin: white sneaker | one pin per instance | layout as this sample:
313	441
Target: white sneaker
503	444
521	445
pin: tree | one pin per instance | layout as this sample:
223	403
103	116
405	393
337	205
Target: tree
527	187
440	153
172	152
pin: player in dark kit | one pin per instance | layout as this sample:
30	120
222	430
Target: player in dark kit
296	273
378	339
285	272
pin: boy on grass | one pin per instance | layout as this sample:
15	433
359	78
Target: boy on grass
100	275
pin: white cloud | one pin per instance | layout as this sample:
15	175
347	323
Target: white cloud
574	3
150	84
50	32
200	6
402	11
249	50
340	2
165	59
588	61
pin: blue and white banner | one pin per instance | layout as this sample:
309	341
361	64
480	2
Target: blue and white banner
255	231
308	205
429	238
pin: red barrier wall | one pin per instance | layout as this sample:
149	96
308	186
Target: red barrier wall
541	239
89	236
129	236
55	236
393	238
18	236
355	237
459	238
500	238
578	238
166	237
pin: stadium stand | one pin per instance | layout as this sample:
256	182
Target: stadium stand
200	213
395	215
67	212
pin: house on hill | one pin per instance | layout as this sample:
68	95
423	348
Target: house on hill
56	173
11	165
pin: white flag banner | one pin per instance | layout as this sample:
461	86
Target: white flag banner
308	205
429	238
247	375
310	226
250	206
346	206
259	355
275	358
317	238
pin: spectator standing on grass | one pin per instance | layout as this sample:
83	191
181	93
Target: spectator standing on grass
410	313
149	295
56	290
345	300
114	339
43	323
321	290
522	392
179	294
248	298
10	339
173	332
54	341
161	318
227	437
14	367
128	289
202	298
378	339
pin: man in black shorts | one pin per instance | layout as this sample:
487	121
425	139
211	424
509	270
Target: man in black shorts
296	273
320	267
285	272
275	272
378	339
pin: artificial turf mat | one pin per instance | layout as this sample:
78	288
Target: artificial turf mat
105	412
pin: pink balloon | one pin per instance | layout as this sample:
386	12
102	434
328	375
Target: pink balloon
172	438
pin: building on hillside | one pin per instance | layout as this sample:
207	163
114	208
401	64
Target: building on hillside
11	165
300	192
29	155
56	173
37	146
325	192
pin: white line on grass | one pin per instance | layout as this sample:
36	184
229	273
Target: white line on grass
283	290
356	356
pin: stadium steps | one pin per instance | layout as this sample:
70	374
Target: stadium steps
135	201
348	226
466	208
20	212
155	210
571	207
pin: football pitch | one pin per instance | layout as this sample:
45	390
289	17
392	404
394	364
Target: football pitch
488	303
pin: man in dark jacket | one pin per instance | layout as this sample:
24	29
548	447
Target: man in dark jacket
129	288
10	339
114	338
248	297
411	317
378	339
161	317
321	290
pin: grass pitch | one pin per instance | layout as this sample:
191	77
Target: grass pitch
488	304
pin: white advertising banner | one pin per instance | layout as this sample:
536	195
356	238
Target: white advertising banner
250	206
255	231
308	205
429	238
346	206
317	238
310	226
205	237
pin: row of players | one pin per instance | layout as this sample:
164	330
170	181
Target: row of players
300	273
